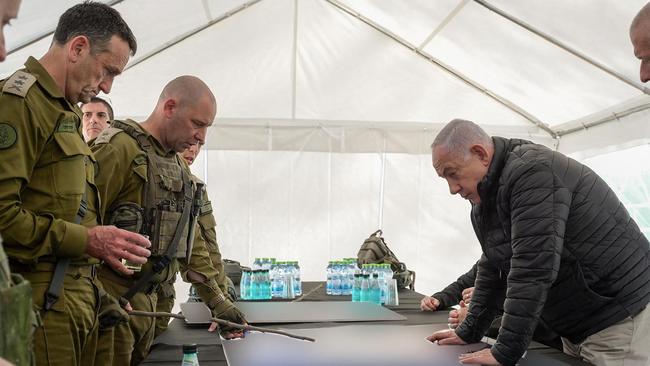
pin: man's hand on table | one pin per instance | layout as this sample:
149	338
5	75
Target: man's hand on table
457	316
447	336
232	334
429	303
482	357
467	294
231	314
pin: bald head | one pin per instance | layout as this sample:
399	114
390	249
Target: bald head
185	109
642	18
640	37
459	135
186	90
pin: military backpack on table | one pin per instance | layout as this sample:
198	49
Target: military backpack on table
375	250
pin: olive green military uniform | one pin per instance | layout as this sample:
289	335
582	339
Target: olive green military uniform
123	173
207	224
16	315
45	170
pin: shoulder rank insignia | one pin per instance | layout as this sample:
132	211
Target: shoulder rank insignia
105	136
19	83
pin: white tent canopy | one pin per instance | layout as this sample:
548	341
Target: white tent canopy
327	107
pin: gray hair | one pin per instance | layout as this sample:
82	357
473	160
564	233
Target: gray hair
459	135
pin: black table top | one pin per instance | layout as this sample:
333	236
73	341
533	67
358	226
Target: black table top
167	348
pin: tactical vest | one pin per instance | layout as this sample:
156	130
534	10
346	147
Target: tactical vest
168	188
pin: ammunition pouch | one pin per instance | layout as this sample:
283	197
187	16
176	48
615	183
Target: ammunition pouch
167	222
128	216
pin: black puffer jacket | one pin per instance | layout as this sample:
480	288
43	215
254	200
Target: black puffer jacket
558	244
453	293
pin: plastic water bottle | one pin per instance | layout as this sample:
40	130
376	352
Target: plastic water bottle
190	355
257	264
346	287
387	276
364	293
277	284
193	296
276	287
351	272
375	291
330	272
245	285
267	284
340	271
336	279
288	288
255	284
297	285
356	288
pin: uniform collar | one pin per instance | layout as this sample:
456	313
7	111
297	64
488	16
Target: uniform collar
44	79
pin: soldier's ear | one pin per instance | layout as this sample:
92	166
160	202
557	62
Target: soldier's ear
169	107
78	47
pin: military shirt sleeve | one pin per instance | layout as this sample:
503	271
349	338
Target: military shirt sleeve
201	273
111	158
28	234
207	225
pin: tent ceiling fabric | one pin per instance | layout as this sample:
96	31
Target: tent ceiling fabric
309	64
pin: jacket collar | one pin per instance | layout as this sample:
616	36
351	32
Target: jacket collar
490	181
502	146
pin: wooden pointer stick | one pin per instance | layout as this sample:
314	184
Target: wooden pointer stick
223	322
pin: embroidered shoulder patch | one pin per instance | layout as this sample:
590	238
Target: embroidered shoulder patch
8	136
67	125
19	83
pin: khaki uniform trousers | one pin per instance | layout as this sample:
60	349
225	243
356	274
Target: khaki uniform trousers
68	335
626	343
165	302
131	341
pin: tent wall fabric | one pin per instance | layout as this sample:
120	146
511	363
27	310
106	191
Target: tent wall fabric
327	108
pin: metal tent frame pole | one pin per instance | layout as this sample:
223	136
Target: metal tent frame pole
502	100
189	34
48	33
564	46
